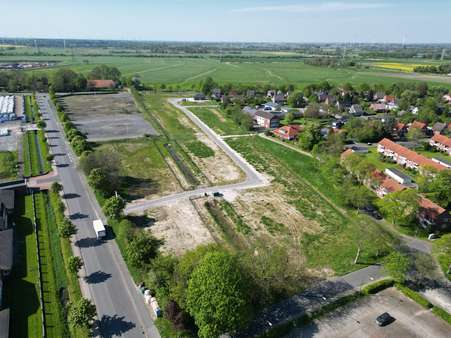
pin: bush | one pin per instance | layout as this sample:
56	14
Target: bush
415	296
378	286
439	312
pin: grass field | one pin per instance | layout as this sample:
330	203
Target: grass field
8	168
314	195
218	121
35	152
21	290
186	71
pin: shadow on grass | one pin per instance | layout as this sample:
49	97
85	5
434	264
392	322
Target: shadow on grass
133	188
142	221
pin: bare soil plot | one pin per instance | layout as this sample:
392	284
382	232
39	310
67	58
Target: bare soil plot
180	226
359	320
107	117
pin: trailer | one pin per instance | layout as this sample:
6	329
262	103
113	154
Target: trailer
99	228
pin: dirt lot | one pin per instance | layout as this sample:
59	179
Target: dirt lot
107	117
180	226
358	320
11	141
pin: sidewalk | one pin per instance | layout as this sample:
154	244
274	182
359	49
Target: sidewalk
309	300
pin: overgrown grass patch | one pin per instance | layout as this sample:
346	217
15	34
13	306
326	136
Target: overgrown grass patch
441	249
271	225
8	165
218	121
199	149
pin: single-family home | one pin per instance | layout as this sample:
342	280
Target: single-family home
101	84
439	127
378	107
216	94
419	125
432	216
356	110
398	176
389	99
388	186
271	106
441	142
266	119
406	157
288	133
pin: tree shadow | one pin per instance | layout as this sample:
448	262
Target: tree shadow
141	221
52	131
112	326
133	188
62	165
70	196
87	242
77	215
97	277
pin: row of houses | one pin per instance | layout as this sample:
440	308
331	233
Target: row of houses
6	253
441	143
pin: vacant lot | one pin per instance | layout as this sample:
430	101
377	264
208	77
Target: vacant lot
329	235
218	121
143	170
107	117
357	320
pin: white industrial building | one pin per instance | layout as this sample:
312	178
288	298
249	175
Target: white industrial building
7	104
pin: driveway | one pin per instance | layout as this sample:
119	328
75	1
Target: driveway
253	177
357	320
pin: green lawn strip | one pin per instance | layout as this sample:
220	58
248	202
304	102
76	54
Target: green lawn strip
63	249
343	232
21	290
239	222
51	269
8	165
44	151
167	330
199	149
222	124
419	299
26	156
34	154
28	109
441	249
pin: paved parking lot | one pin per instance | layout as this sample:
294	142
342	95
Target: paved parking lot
107	116
358	320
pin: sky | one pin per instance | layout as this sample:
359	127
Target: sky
411	21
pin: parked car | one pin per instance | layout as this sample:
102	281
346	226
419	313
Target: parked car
384	319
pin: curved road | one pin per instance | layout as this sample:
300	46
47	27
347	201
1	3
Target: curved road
253	177
120	308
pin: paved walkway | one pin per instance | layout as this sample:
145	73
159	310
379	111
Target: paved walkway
312	299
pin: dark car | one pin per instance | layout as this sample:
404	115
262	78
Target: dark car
384	319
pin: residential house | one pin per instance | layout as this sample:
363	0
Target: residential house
442	162
400	129
441	142
216	94
419	125
267	120
101	84
271	106
398	176
406	157
432	216
388	186
378	107
378	96
439	127
279	97
251	111
356	110
447	98
288	133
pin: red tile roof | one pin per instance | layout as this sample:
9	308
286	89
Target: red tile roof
377	175
442	139
430	209
391	185
410	155
290	131
389	98
346	153
99	84
418	124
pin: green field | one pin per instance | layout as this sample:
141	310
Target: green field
21	292
218	121
8	165
186	71
316	196
35	152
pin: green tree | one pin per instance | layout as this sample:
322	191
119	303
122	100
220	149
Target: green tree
113	207
356	196
66	228
400	207
208	85
296	100
41	124
81	313
141	249
289	117
440	188
56	187
98	179
310	136
74	264
104	72
396	265
217	295
415	134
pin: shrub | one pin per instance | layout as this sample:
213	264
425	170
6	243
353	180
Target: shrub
378	286
415	296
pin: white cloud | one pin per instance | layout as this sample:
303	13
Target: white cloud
315	7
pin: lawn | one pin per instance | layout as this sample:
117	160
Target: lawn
8	165
35	152
374	158
21	292
188	71
316	196
441	249
218	121
143	170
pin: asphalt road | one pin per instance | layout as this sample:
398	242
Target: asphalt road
253	177
120	308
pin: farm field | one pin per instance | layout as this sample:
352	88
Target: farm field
398	66
188	71
329	236
218	121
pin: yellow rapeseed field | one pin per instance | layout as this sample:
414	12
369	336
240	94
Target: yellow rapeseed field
404	67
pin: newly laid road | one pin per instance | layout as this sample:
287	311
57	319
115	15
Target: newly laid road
253	177
120	308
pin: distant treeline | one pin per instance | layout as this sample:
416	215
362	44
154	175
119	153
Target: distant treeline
440	69
330	62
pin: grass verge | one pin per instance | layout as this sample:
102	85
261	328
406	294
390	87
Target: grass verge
8	165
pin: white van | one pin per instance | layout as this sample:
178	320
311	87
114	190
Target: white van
99	228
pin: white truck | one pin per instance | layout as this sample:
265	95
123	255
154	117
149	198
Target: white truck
99	228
